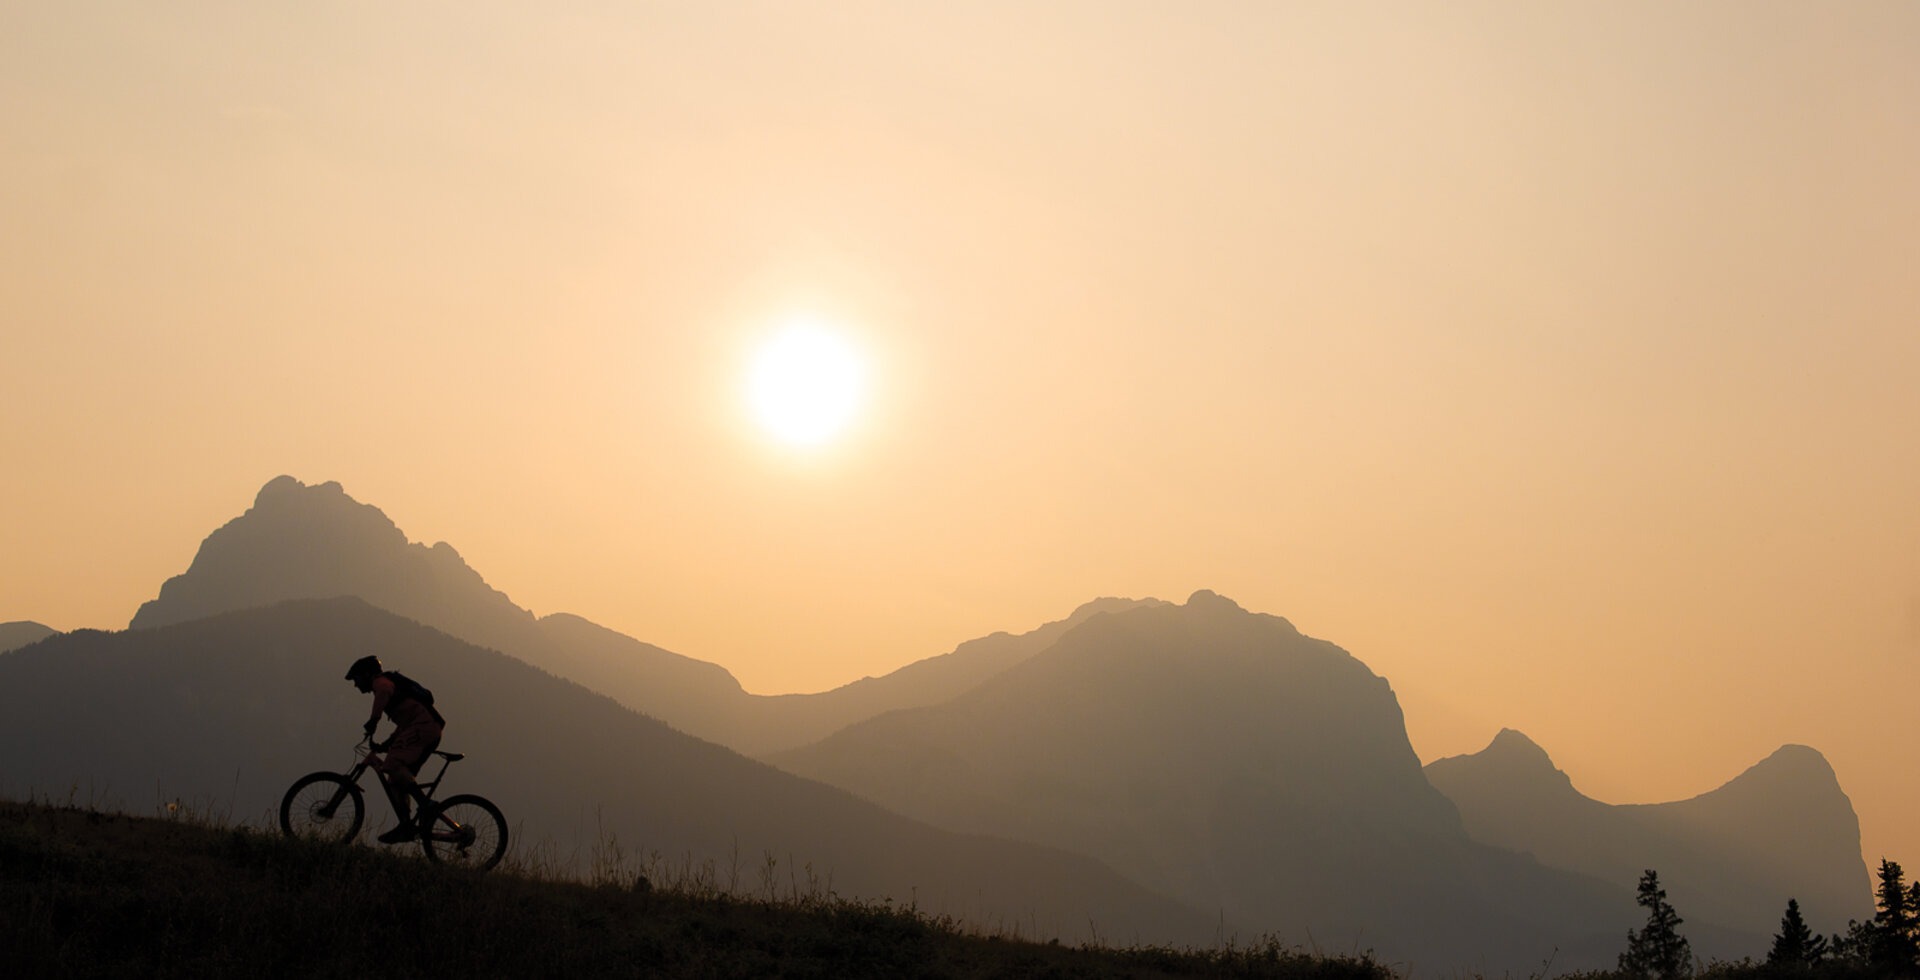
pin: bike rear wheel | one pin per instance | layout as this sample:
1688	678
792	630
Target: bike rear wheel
465	831
323	806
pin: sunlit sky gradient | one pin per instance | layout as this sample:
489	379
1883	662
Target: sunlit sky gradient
1558	360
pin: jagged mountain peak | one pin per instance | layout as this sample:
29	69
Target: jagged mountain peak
285	499
1210	607
1512	768
284	487
315	541
1222	623
1106	604
1511	747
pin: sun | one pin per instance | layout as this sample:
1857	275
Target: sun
806	384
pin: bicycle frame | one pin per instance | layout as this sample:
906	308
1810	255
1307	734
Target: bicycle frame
422	792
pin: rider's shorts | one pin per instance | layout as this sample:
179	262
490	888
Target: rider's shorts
411	745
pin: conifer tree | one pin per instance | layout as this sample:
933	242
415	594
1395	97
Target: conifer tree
1893	940
1796	945
1658	950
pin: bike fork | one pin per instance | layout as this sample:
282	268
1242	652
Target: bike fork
326	811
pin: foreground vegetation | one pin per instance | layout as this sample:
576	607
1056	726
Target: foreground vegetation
1887	945
85	893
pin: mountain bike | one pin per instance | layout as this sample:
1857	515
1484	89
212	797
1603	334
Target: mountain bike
465	830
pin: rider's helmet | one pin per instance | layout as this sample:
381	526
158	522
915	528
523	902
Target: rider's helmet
364	670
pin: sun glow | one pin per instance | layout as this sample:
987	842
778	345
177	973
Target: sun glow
806	384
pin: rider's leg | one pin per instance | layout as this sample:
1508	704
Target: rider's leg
401	791
407	752
398	786
417	755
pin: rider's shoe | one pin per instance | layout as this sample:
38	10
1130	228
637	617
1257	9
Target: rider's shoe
398	835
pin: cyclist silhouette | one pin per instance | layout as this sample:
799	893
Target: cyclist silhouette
417	730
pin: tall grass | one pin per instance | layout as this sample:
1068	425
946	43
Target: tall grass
88	893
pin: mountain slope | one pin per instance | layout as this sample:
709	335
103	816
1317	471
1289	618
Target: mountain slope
227	711
1782	829
789	721
1226	759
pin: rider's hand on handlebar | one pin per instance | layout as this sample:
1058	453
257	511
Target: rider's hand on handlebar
370	726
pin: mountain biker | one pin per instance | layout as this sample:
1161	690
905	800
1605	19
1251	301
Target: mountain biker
417	729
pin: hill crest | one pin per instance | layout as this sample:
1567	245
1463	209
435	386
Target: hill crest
21	633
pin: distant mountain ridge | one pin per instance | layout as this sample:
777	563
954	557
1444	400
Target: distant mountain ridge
791	720
18	634
306	542
1222	757
225	711
1782	829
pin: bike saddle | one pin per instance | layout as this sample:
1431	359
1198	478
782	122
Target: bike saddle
451	756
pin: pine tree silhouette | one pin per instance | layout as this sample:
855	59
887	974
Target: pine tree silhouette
1657	951
1894	940
1796	945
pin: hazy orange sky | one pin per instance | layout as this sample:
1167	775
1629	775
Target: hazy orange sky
1557	360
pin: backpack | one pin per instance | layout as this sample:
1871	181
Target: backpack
407	687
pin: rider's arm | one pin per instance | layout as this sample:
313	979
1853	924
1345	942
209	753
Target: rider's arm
382	693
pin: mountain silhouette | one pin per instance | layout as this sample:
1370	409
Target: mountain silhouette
1213	755
225	712
1782	829
1222	757
18	634
300	542
316	542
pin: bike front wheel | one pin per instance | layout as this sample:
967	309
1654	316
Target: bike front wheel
323	806
466	831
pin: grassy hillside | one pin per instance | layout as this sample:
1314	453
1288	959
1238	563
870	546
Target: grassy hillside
233	707
87	893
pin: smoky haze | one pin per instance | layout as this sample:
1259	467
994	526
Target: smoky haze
1165	758
1532	351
